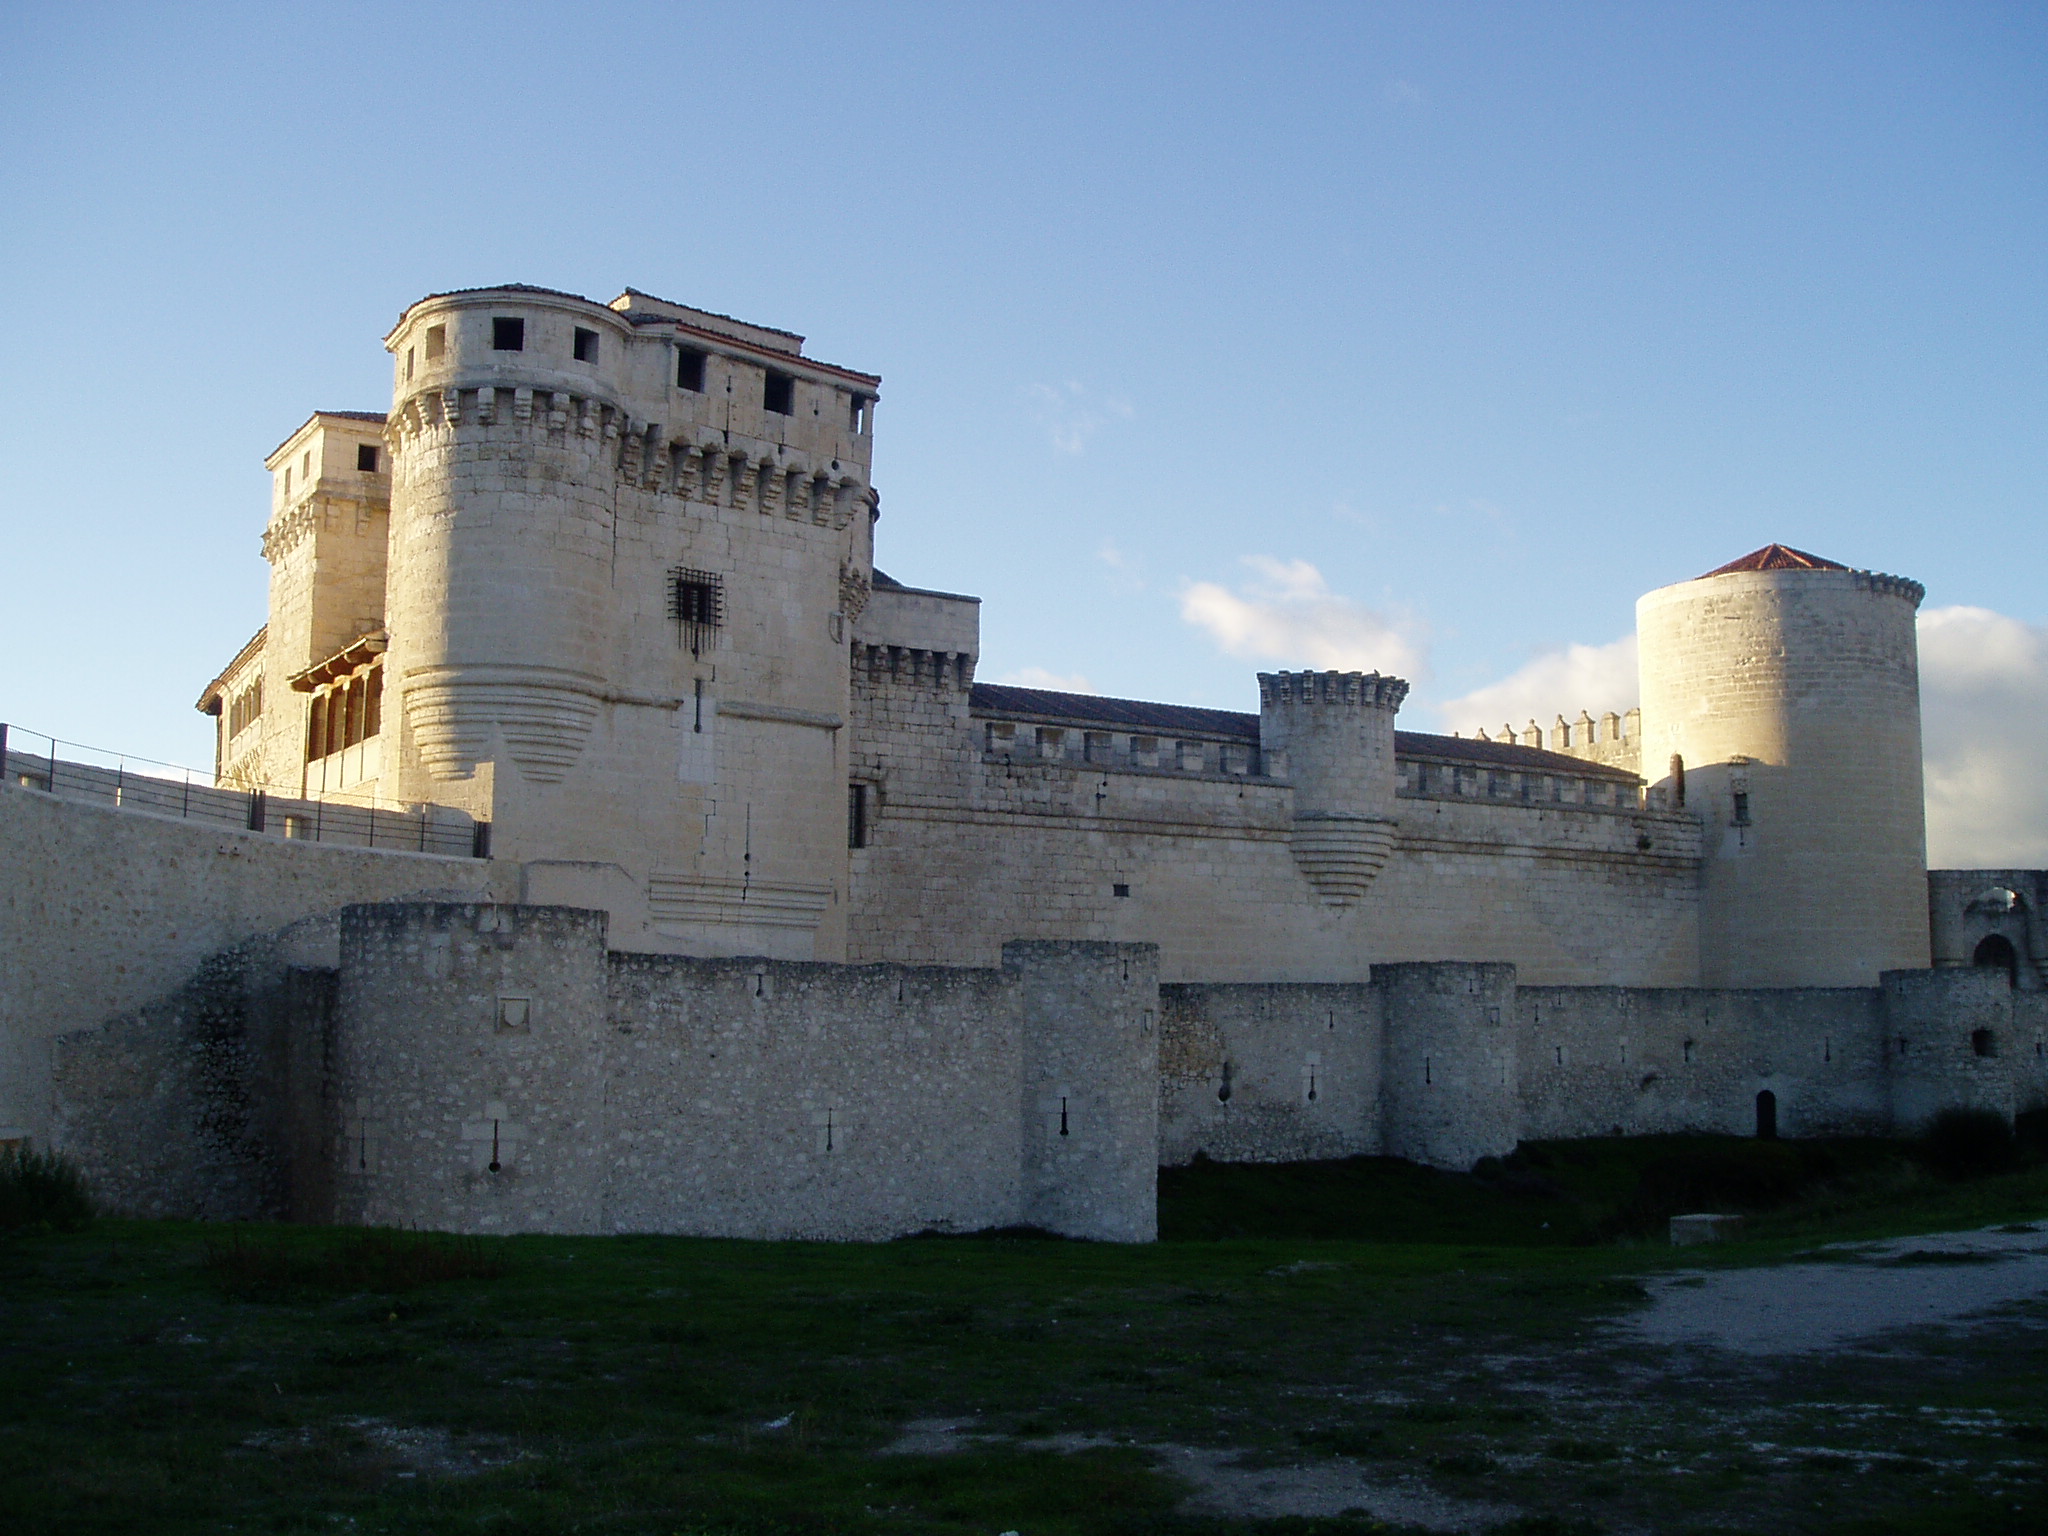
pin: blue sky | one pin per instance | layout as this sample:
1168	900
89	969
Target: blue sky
1212	337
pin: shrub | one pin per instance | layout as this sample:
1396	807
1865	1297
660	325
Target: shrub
41	1189
1969	1143
1735	1174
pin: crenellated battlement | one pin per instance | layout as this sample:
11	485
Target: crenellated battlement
771	479
1891	586
905	666
1362	690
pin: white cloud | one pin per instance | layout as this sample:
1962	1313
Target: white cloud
1038	677
1595	678
1984	724
1073	413
1288	614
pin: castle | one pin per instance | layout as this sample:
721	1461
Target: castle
775	922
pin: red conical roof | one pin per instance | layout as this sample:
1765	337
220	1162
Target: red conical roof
1776	557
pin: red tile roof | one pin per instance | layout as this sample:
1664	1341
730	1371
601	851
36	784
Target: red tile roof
1776	557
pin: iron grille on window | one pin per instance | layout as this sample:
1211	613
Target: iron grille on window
696	601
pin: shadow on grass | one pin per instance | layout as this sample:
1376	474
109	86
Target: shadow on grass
257	1269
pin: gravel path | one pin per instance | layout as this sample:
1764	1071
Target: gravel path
1859	1290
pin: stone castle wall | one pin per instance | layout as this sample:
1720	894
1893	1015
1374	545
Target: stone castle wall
124	933
497	1070
1449	1062
973	844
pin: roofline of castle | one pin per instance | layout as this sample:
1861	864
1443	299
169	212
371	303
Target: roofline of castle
627	317
377	416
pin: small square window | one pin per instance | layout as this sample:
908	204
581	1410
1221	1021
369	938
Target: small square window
507	335
1120	889
696	601
586	345
690	369
778	393
437	341
366	458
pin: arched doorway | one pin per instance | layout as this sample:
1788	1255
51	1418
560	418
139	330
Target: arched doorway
1995	950
1767	1116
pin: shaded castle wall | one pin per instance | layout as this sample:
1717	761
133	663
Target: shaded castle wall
738	1098
1273	1072
1444	1063
111	918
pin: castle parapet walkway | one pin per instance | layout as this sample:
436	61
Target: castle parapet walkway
72	771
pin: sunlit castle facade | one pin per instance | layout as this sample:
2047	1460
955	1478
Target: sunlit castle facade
604	578
760	916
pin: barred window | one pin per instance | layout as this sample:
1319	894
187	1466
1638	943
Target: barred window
696	601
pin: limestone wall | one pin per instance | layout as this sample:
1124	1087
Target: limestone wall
1647	1061
974	844
108	915
1269	1073
496	1071
1444	1063
1792	698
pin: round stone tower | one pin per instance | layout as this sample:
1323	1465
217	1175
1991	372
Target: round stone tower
626	545
504	496
1781	703
1334	733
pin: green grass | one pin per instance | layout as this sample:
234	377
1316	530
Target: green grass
1427	1328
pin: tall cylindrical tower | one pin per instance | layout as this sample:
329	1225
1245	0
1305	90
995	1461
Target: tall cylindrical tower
1336	731
626	544
1781	702
505	493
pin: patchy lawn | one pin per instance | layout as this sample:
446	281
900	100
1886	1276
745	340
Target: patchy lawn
1431	1355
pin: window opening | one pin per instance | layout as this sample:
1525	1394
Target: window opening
408	364
585	345
1983	1043
1223	1090
1063	1114
1767	1116
690	369
1741	808
778	393
366	458
856	815
1119	889
1677	782
437	341
696	601
507	334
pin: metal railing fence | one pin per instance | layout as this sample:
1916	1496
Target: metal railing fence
73	771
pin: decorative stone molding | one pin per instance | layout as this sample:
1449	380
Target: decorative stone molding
1341	855
1364	690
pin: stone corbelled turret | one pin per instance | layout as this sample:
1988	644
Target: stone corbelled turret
1336	731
